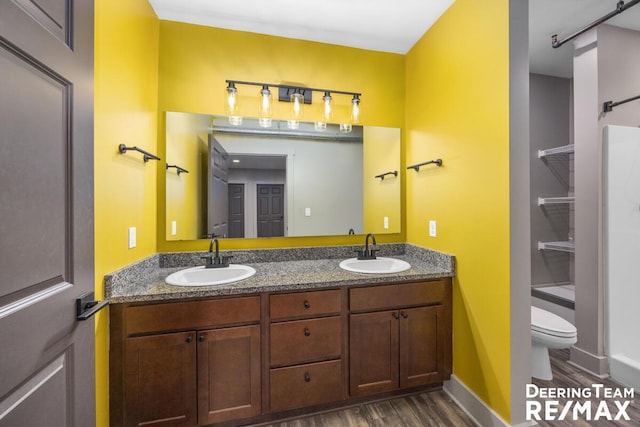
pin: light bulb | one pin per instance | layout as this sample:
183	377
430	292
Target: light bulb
297	101
327	111
231	107
355	109
265	109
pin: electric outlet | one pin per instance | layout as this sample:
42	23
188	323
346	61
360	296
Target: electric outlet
432	228
307	211
132	237
174	228
385	222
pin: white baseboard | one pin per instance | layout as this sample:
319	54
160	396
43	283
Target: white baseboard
481	414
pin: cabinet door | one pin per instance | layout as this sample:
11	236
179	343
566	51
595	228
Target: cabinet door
373	344
228	374
421	346
160	380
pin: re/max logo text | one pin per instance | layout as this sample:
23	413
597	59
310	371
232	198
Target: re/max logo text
614	408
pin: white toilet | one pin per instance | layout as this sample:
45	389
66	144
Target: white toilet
548	330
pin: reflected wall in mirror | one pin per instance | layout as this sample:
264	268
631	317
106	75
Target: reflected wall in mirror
248	181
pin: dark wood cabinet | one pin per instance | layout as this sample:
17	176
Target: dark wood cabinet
305	385
228	374
373	345
399	348
208	374
305	351
160	380
255	358
421	349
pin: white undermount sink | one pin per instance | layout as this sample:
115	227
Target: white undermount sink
201	276
379	265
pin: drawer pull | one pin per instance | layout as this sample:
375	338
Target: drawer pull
189	339
307	332
307	377
404	315
201	338
307	304
395	315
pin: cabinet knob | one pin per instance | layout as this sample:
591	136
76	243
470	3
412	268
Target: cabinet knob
307	304
404	315
201	338
189	339
307	377
307	332
395	315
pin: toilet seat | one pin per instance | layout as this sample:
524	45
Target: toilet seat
545	322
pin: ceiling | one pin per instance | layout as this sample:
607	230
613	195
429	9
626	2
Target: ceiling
383	25
390	26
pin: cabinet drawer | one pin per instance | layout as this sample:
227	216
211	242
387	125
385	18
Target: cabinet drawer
191	314
282	306
306	385
305	340
401	295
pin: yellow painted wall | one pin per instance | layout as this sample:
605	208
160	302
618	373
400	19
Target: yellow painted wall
186	146
382	154
195	61
457	108
126	64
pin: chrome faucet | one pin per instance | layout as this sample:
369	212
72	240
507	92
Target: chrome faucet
214	260
367	253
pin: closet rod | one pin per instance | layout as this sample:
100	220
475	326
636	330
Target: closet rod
608	106
620	7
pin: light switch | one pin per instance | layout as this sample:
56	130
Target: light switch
432	228
385	222
174	228
307	211
132	237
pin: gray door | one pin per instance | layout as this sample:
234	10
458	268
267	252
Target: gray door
46	212
236	210
217	204
270	210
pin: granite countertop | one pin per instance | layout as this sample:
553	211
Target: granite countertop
276	270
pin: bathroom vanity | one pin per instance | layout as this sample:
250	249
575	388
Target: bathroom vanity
298	337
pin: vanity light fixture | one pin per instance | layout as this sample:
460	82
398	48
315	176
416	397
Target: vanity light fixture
327	110
298	96
231	107
297	109
265	110
355	109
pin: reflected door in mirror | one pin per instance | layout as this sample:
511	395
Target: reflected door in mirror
236	210
218	213
270	210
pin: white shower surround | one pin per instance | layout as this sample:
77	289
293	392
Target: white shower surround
621	238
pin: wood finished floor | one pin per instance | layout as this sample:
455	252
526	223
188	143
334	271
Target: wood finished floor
437	409
433	409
